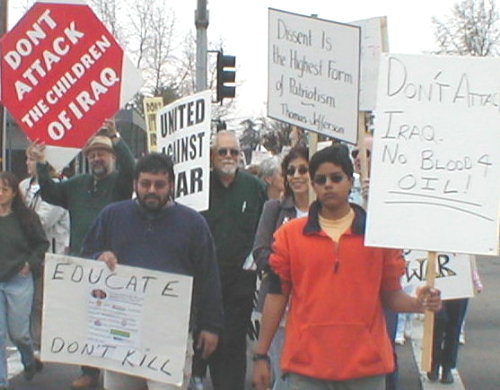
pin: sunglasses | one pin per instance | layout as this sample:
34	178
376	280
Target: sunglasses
355	153
302	169
320	179
225	151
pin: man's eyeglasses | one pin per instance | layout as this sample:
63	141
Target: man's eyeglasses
320	179
302	169
224	152
355	153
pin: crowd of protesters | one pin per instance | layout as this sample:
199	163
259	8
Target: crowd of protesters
309	256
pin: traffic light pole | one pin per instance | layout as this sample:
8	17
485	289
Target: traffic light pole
201	23
4	4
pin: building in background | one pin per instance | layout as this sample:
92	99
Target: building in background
129	123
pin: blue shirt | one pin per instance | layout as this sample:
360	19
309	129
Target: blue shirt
175	239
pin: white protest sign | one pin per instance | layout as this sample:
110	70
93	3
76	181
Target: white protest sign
373	43
453	273
183	129
313	77
132	320
435	180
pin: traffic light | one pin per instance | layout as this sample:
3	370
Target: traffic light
226	74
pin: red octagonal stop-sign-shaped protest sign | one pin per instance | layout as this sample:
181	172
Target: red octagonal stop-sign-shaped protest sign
62	74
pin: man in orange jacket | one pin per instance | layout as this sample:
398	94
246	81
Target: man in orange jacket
335	334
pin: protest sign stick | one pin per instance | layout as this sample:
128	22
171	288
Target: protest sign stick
362	152
313	147
429	316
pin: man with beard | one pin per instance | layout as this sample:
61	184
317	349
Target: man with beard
85	195
236	201
154	232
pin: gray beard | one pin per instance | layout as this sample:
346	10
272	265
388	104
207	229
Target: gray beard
100	171
227	170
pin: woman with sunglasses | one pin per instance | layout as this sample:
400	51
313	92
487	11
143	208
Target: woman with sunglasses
23	245
336	336
276	212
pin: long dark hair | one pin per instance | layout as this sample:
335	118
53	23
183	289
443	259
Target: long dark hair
27	217
296	152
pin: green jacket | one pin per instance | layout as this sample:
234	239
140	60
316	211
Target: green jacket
83	199
233	216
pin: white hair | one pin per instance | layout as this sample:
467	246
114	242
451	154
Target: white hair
222	133
269	167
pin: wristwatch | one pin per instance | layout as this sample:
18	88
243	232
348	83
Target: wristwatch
261	356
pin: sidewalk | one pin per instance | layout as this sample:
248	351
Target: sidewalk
59	376
14	364
417	335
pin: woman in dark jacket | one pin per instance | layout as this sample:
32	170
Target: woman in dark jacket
23	245
295	203
276	212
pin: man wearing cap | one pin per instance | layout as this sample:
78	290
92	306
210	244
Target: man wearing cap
110	179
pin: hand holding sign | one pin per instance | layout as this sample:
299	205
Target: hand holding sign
429	299
109	129
109	258
37	151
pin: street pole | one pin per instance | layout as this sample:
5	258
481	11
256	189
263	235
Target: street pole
4	5
201	23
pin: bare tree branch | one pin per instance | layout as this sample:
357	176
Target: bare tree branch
108	11
138	39
472	29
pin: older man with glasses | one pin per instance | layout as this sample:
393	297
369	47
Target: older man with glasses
236	201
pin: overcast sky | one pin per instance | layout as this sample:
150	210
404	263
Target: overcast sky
243	27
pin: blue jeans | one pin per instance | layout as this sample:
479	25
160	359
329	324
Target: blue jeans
275	354
16	298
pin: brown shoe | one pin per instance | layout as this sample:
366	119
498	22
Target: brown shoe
85	382
433	375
